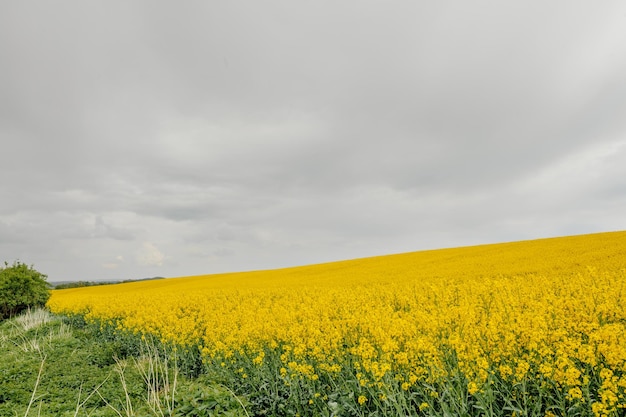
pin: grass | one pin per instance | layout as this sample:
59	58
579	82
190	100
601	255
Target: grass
52	366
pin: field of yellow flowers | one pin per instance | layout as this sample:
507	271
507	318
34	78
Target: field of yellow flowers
523	328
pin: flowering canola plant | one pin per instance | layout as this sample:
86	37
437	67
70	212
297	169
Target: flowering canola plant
546	313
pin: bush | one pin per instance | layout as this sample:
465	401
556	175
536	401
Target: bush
21	287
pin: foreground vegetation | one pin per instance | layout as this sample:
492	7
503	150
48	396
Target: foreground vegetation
52	366
532	328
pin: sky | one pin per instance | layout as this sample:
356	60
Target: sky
153	138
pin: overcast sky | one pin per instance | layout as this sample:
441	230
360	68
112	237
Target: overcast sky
145	138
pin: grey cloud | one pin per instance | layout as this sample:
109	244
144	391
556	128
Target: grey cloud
11	235
232	136
104	230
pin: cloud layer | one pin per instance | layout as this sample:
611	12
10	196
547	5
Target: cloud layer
142	139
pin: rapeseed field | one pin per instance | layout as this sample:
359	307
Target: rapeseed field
523	328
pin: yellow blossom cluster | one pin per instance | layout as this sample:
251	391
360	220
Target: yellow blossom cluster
551	310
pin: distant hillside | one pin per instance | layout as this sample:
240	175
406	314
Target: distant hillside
60	285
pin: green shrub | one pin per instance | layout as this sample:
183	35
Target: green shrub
21	288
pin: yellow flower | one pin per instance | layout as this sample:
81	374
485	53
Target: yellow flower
575	393
362	399
547	310
472	388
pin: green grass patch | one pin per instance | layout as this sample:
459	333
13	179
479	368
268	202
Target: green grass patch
54	366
